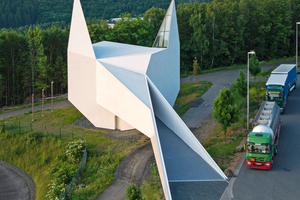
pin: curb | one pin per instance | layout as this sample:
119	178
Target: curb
232	180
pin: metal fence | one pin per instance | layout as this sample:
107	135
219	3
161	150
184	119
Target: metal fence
17	127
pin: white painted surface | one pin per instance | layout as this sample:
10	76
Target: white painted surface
118	99
82	91
79	39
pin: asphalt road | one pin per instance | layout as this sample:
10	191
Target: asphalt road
283	180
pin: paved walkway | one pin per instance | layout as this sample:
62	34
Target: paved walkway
46	106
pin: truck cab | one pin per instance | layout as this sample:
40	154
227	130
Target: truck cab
277	90
275	93
262	142
260	151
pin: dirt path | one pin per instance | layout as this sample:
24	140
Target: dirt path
134	168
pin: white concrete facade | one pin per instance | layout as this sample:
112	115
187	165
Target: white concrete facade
121	86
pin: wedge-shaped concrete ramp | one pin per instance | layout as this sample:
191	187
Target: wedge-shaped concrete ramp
120	86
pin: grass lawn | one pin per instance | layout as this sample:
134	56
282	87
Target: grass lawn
189	94
265	73
34	157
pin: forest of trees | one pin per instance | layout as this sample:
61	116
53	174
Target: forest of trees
18	13
219	33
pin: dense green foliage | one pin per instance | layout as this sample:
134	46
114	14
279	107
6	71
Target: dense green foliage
241	84
32	59
151	188
133	192
18	13
225	110
218	34
254	67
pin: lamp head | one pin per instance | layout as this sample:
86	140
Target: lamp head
297	22
251	52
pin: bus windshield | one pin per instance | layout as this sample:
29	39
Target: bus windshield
273	96
258	148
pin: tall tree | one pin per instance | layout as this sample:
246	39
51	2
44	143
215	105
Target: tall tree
184	12
254	67
36	51
14	47
225	111
133	31
199	37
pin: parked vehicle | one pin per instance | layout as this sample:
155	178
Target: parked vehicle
262	142
281	82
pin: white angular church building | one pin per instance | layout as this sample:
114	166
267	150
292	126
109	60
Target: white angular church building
121	86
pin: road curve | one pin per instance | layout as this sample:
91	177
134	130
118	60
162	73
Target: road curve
15	184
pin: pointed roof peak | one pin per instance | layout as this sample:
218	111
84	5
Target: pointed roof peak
79	40
163	35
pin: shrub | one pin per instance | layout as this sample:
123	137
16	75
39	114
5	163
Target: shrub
75	150
150	188
257	92
33	137
6	135
2	129
133	192
63	173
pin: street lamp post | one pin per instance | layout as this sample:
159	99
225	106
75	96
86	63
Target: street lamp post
52	96
32	107
251	52
43	96
297	44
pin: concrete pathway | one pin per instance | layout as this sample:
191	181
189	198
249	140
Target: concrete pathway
46	106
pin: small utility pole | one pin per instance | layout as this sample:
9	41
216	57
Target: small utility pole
43	96
52	96
32	107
